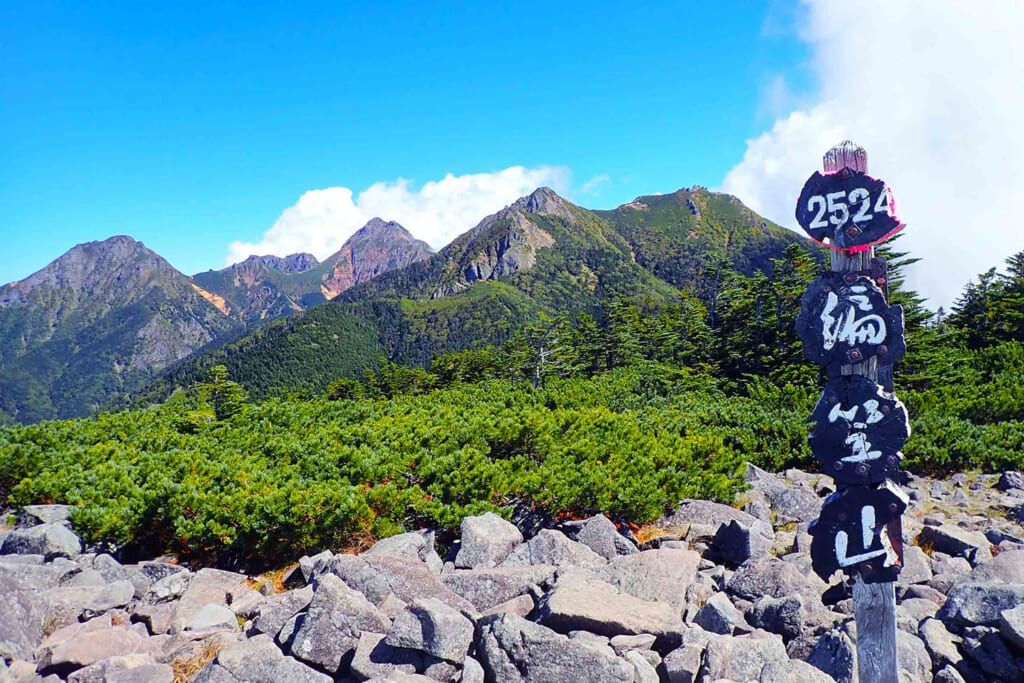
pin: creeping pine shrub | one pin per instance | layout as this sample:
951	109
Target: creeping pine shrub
282	478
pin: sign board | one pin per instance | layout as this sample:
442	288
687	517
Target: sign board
847	210
844	319
859	532
859	429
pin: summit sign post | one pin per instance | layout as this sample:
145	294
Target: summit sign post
847	326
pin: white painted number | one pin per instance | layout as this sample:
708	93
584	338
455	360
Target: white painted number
819	219
837	205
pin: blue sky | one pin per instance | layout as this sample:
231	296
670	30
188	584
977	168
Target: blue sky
194	126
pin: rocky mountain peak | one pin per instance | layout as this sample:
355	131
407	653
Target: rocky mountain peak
544	201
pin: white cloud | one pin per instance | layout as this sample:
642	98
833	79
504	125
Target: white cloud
933	92
322	220
593	186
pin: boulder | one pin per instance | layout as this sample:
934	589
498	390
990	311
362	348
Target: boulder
22	618
989	652
210	587
704	513
981	603
514	650
278	609
330	629
600	535
682	665
793	671
170	587
157	618
433	627
836	655
1011	625
737	542
643	672
33	515
661	575
581	601
248	605
952	540
258	660
940	643
312	567
378	576
88	648
486	541
741	658
948	674
139	667
520	606
68	605
623	644
374	657
916	567
784	616
210	617
550	547
915	666
1006	567
1010	480
486	588
774	577
418	544
49	540
720	616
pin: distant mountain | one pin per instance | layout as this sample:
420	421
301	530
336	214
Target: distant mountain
541	253
98	321
266	287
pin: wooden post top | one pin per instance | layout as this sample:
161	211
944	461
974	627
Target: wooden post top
847	154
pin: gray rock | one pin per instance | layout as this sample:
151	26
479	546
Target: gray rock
520	606
981	603
623	644
515	650
171	587
989	652
836	655
278	609
741	658
1006	567
1010	480
89	648
952	540
948	674
331	627
592	640
912	658
916	567
784	616
486	541
157	618
682	665
210	587
774	577
258	660
720	616
472	671
49	540
291	670
913	611
21	619
378	576
941	644
925	593
125	668
486	588
374	657
737	542
643	672
1011	625
68	605
552	547
248	606
600	535
210	617
793	671
33	515
581	601
433	627
662	575
312	567
704	513
417	544
145	574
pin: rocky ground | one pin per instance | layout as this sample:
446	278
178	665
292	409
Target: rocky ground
710	593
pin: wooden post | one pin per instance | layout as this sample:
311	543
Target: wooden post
874	604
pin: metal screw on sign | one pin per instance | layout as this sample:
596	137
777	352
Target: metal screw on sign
847	325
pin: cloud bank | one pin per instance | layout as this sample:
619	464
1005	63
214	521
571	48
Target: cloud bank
933	92
321	221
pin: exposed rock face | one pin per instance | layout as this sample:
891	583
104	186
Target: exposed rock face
104	314
377	247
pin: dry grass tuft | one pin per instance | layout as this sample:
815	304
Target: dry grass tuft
186	669
650	531
276	578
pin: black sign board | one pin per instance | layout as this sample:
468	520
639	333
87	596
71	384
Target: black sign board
858	432
848	210
859	531
844	318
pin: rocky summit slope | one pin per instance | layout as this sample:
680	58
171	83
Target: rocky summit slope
713	593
